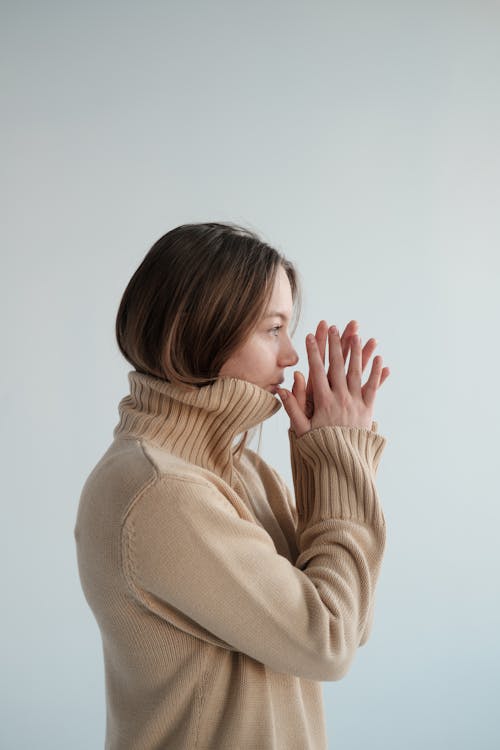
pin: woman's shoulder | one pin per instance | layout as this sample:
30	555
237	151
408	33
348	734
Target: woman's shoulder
129	471
130	464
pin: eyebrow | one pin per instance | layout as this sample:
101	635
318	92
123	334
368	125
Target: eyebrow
275	314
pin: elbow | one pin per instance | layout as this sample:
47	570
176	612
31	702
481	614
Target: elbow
338	655
330	659
332	666
338	668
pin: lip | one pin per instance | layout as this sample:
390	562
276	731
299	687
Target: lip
274	386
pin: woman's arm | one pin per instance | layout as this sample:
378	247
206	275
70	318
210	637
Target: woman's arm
187	552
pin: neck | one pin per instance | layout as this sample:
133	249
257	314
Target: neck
196	424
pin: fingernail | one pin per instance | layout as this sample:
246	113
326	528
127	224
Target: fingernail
310	337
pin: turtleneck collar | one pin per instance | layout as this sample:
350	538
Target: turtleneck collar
197	424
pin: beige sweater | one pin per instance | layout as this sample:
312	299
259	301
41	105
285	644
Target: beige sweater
222	605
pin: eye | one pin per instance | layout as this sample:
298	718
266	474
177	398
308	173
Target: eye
274	330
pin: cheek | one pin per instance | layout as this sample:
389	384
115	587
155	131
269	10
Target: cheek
260	353
268	350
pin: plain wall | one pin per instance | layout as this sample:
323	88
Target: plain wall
363	140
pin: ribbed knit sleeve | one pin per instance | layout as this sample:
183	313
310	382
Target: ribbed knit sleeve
187	550
333	470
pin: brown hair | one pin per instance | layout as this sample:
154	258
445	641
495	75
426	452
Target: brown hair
195	298
205	284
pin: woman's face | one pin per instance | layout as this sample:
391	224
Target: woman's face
268	350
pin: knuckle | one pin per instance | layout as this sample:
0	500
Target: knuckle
344	400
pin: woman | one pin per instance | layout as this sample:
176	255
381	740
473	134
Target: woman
222	605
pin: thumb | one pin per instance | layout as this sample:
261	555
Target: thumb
299	390
298	420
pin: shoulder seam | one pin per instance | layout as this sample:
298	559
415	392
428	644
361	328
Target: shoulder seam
160	475
126	529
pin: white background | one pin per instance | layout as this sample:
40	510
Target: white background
362	139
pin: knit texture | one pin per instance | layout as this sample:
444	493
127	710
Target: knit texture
223	603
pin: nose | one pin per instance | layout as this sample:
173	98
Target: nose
289	356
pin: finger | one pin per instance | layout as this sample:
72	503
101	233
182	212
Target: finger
321	338
336	370
350	330
367	352
369	389
383	377
320	385
354	371
385	374
299	390
345	342
298	421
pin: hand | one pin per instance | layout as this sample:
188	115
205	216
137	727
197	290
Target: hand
321	337
331	396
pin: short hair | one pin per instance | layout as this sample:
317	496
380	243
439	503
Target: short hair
195	298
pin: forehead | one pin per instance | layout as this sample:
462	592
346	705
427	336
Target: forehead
281	302
281	286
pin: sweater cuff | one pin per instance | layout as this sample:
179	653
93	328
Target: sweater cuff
334	469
